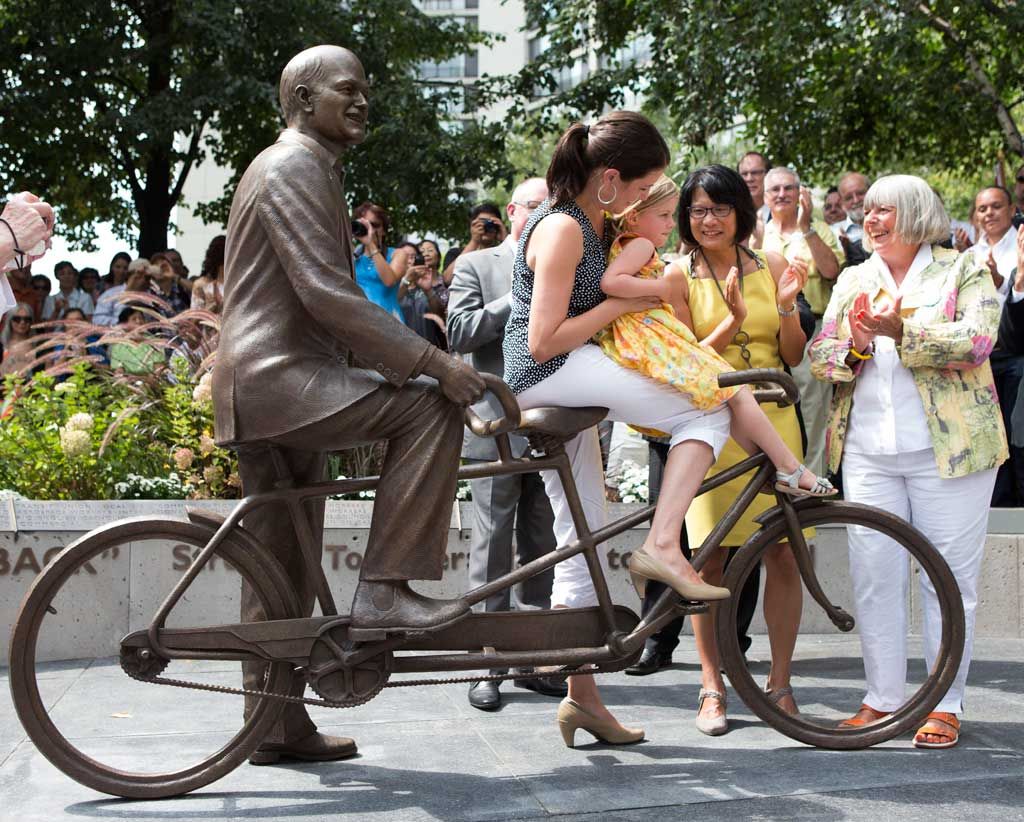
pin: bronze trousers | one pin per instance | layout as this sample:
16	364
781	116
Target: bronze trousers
411	512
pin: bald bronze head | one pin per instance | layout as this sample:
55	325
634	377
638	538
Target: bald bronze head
324	92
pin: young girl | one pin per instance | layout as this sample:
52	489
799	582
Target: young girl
660	343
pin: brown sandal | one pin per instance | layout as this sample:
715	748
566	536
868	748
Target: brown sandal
865	716
938	724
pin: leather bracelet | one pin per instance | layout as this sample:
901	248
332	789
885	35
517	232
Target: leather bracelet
19	254
789	313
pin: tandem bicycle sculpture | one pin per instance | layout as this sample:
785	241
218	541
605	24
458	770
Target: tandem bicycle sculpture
344	673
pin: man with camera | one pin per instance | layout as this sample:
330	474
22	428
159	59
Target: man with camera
516	504
486	230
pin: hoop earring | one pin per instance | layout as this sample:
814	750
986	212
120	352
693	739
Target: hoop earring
610	200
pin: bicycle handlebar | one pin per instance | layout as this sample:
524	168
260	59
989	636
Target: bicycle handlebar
511	417
785	394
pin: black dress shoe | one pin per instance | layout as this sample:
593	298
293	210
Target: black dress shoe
485	696
549	685
316	747
650	662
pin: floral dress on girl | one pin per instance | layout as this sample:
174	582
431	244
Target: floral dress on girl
660	346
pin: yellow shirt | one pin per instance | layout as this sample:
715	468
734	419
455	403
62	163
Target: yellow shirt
794	246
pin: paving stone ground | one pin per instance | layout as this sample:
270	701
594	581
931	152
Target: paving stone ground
426	755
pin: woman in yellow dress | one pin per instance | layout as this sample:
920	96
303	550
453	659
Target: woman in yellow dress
753	325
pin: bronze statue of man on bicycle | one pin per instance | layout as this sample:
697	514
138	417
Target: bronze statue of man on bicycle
295	322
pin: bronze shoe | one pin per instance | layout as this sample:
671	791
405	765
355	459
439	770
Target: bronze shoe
392	607
316	747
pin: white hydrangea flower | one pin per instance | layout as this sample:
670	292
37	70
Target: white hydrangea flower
80	422
206	445
75	442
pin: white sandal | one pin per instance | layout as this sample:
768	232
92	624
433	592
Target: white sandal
790	484
719	724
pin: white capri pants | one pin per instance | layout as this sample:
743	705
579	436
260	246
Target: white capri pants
953	514
590	378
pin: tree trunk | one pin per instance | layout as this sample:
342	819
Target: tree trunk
155	206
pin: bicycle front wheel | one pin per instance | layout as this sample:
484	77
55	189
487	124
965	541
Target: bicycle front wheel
97	724
826	698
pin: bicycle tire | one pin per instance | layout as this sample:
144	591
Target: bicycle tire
916	708
250	559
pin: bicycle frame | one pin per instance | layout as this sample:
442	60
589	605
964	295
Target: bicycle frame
618	643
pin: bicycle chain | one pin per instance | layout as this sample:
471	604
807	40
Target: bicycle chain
323	703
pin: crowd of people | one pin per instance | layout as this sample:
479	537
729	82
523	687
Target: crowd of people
900	326
133	294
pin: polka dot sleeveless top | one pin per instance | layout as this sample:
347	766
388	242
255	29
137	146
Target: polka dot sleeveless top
521	370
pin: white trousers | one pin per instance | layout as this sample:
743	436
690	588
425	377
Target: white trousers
953	514
590	378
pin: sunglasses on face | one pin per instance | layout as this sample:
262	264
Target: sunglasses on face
20	319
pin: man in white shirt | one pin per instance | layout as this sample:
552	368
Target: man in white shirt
996	249
68	296
853	188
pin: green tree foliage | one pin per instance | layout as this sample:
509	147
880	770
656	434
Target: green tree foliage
108	106
871	84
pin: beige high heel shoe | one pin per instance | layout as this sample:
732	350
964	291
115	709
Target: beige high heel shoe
642	566
573	717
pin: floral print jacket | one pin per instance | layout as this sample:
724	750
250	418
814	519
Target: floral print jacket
950	321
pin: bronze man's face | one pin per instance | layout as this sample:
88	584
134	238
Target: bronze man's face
341	102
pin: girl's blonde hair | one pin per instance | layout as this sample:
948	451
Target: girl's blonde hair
664	189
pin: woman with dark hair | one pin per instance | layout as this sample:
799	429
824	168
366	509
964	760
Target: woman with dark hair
208	290
557	306
118	271
379	268
743	305
16	342
423	294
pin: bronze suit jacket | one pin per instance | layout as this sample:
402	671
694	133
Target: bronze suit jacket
293	312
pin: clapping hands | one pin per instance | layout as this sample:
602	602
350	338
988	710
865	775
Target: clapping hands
734	295
867	324
791	283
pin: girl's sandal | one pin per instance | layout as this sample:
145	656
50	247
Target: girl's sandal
939	724
790	484
865	716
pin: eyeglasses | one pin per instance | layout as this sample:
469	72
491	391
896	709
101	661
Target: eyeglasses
530	204
720	210
787	187
20	319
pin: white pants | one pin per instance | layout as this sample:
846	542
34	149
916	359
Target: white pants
953	514
590	378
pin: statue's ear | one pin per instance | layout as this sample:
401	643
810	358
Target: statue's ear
304	97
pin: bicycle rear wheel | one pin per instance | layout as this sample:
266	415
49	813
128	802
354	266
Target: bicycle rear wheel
823	706
98	725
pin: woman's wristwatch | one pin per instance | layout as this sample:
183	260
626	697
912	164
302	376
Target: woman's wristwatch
789	313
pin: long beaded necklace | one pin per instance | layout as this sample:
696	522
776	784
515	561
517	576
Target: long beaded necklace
741	338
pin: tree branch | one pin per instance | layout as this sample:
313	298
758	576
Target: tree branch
1012	135
190	158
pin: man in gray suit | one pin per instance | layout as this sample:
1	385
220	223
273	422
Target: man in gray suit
478	309
293	321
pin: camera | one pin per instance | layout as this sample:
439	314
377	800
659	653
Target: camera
1018	220
358	229
490	227
418	259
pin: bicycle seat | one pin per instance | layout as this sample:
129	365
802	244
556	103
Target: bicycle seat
561	423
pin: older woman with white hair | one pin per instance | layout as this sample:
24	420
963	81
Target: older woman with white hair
915	419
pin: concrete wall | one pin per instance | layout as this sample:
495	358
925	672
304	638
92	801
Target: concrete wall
127	585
